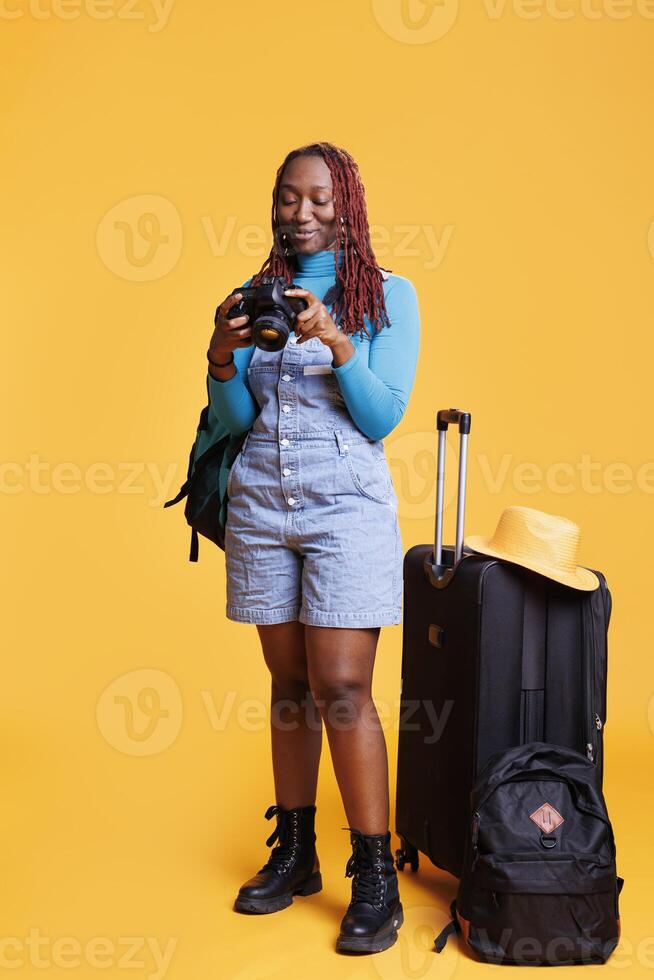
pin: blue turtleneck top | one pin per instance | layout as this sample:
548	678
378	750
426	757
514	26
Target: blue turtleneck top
375	381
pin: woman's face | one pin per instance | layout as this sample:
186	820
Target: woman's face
305	206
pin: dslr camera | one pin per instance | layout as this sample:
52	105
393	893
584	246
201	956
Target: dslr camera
271	314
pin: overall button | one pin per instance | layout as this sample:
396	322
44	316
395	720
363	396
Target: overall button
286	377
291	500
286	408
287	472
284	442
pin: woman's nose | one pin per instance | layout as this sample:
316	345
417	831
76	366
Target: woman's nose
304	213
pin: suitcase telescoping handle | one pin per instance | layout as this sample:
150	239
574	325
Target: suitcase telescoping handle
439	574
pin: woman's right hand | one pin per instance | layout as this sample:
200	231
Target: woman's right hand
229	334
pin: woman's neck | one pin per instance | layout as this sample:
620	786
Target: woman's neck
319	264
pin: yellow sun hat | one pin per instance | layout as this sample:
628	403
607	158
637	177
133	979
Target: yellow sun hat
542	542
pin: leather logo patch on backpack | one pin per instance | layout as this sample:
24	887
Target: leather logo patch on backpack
546	817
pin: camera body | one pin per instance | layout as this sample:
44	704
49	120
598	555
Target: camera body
271	314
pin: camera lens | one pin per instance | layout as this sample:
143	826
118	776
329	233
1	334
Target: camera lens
270	331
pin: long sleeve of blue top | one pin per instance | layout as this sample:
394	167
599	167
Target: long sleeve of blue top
375	381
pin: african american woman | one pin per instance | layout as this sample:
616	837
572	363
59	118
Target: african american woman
312	542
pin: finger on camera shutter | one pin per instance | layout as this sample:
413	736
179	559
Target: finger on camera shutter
228	302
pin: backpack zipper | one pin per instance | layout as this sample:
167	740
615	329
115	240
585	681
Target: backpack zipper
475	828
475	834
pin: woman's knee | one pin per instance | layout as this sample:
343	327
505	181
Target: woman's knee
292	689
340	663
335	688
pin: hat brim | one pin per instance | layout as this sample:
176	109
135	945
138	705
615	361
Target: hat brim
581	578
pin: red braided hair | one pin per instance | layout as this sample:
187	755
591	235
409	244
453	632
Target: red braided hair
359	283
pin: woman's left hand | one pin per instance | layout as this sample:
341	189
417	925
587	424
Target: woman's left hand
315	321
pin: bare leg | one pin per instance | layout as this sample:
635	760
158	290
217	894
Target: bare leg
340	663
295	723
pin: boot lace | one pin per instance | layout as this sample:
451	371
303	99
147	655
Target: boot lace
286	832
366	868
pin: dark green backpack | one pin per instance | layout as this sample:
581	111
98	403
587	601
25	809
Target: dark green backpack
205	487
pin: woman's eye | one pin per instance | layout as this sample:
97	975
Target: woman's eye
321	204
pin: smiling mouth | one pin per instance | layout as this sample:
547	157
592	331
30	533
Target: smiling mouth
304	234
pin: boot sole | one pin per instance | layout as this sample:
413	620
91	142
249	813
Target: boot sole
377	943
312	885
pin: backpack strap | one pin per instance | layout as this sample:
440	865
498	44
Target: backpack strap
180	496
195	543
451	927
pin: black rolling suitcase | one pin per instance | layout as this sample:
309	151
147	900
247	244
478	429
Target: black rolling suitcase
494	656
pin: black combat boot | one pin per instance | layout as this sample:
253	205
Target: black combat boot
293	867
375	912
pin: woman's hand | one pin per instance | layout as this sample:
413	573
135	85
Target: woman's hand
315	321
229	334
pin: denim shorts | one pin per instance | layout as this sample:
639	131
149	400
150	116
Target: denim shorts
332	559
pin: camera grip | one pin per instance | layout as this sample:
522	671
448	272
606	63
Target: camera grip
297	303
238	309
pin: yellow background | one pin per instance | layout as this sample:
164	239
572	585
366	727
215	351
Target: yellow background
521	137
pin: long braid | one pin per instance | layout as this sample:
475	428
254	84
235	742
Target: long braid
359	291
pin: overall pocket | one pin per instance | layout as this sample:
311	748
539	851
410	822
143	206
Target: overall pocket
369	472
232	470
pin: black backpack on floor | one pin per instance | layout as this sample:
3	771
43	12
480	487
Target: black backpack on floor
539	883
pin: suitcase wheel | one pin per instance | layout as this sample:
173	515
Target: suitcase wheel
407	854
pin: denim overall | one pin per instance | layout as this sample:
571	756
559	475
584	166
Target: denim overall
312	530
